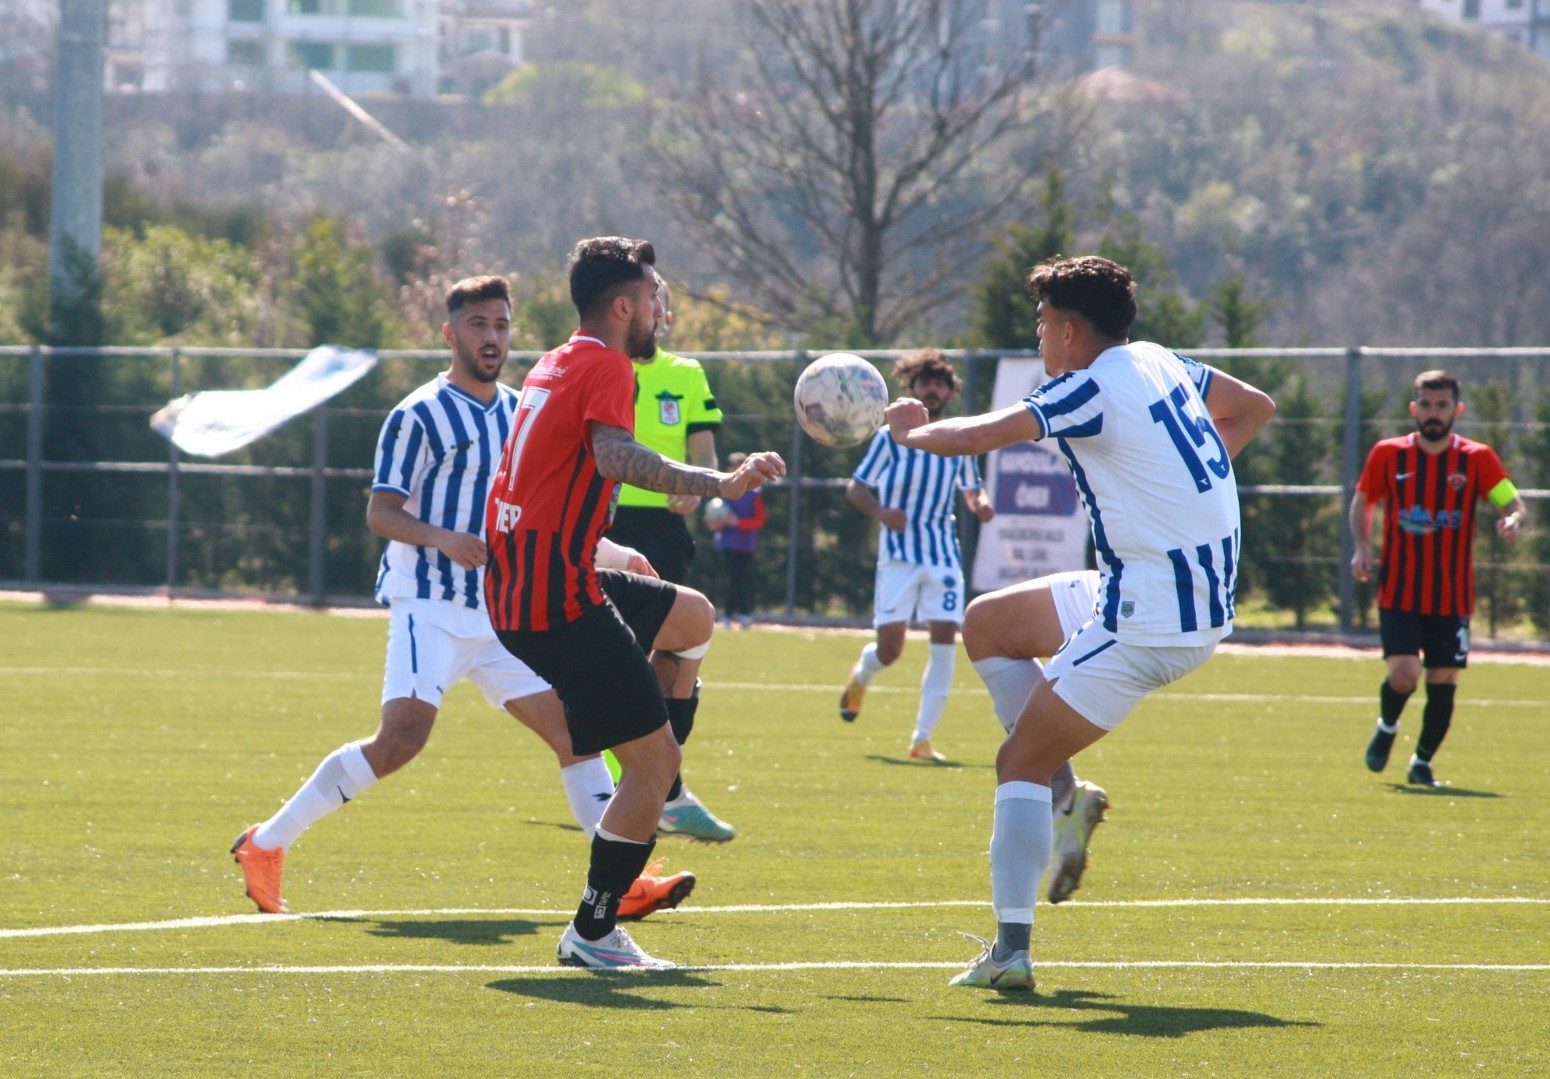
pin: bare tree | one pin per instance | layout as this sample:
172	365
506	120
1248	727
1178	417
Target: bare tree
846	173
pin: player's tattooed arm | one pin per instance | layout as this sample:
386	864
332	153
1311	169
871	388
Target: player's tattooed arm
621	458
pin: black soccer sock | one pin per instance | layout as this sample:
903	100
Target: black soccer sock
614	866
680	713
1391	703
1435	718
680	716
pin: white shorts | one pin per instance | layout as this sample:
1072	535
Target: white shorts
432	645
906	589
1104	678
1075	594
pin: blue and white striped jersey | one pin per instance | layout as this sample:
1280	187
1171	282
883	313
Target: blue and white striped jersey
1159	490
439	449
923	486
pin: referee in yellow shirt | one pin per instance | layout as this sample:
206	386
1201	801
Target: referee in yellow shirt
676	415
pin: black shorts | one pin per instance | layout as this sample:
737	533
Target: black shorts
597	664
659	534
1443	639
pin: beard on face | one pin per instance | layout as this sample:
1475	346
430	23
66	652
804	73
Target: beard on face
472	363
640	343
1432	430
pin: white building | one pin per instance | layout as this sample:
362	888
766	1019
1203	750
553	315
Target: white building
1525	21
416	48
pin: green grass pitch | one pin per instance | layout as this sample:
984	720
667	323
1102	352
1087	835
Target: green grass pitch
1257	902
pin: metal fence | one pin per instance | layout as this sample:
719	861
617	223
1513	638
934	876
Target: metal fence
91	498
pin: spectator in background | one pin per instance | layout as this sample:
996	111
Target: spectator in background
737	538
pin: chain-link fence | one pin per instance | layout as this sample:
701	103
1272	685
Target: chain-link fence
92	498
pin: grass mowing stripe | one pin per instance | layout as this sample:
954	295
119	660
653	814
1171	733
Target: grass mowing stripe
741	687
223	920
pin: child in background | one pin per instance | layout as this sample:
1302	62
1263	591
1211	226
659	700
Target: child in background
737	539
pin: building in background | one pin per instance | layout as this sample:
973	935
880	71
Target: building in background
415	48
1525	21
1088	35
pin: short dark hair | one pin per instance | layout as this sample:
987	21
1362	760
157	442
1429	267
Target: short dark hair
600	268
1438	380
477	290
924	363
1100	291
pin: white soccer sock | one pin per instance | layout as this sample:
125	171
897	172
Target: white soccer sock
870	665
588	786
934	685
1010	682
343	774
1019	848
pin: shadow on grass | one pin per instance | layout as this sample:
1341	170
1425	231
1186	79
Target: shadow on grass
1146	1020
911	762
624	989
454	931
1442	792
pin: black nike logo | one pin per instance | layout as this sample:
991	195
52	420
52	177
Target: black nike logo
342	794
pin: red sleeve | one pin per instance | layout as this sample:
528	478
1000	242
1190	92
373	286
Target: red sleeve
1492	471
1374	481
755	520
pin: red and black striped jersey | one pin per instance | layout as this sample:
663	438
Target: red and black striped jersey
549	504
1429	520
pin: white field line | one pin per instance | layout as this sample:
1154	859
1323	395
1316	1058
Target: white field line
167	674
551	968
223	920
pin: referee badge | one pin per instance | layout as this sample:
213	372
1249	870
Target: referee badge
667	409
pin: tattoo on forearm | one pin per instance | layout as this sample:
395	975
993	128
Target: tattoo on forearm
621	458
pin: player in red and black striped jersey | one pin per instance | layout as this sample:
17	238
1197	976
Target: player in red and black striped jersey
1430	483
571	444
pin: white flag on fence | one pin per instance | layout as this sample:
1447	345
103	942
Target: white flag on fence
216	422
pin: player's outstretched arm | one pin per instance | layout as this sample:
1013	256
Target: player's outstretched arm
1238	410
621	458
960	436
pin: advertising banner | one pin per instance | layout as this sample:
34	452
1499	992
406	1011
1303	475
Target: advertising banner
1039	526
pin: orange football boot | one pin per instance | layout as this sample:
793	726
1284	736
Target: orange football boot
651	893
262	869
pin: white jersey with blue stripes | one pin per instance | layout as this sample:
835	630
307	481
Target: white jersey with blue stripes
1159	490
925	487
439	449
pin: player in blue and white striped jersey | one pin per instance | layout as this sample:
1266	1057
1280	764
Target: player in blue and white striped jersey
1149	436
910	493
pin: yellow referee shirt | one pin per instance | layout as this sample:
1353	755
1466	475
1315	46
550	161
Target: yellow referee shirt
672	401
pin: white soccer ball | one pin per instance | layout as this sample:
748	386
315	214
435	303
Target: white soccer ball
718	515
840	399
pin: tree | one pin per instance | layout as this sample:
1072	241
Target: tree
845	176
1005	316
340	298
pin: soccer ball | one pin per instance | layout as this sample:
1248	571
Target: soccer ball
840	399
718	515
